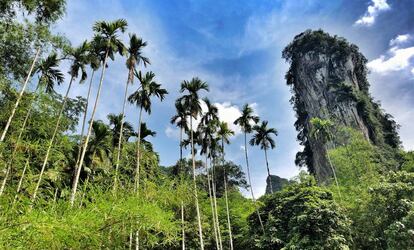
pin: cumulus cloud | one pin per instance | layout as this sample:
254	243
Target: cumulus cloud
173	133
400	39
396	59
399	59
229	113
374	9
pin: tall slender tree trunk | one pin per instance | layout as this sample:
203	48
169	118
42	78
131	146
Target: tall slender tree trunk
19	185
334	173
137	240
118	154
210	195
85	145
200	229
268	172
138	152
213	183
182	225
9	163
19	137
6	128
84	123
180	173
226	197
250	182
52	140
130	240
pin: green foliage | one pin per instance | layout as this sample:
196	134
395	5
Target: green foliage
388	213
301	216
380	207
408	161
44	11
103	221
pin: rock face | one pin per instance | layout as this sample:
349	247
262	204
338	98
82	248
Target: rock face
328	80
277	183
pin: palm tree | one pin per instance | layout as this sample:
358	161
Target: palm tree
117	121
49	75
246	121
263	137
100	145
193	108
16	104
108	42
224	132
145	132
142	98
208	127
135	57
322	131
79	57
180	119
99	149
214	148
94	63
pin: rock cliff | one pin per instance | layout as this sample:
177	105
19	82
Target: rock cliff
277	183
328	80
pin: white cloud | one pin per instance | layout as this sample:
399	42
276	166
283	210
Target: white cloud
172	132
412	71
229	113
398	59
400	39
376	7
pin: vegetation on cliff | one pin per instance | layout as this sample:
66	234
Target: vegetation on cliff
339	53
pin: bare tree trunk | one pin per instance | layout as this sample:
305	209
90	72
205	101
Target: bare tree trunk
180	173
85	145
6	128
268	172
250	182
130	240
215	206
118	155
52	140
3	184
182	227
225	196
55	196
19	137
84	121
334	173
210	195
137	240
19	186
228	211
200	229
138	153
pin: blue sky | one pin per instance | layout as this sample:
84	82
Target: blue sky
236	47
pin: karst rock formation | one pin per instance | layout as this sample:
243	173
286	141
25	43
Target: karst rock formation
328	80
